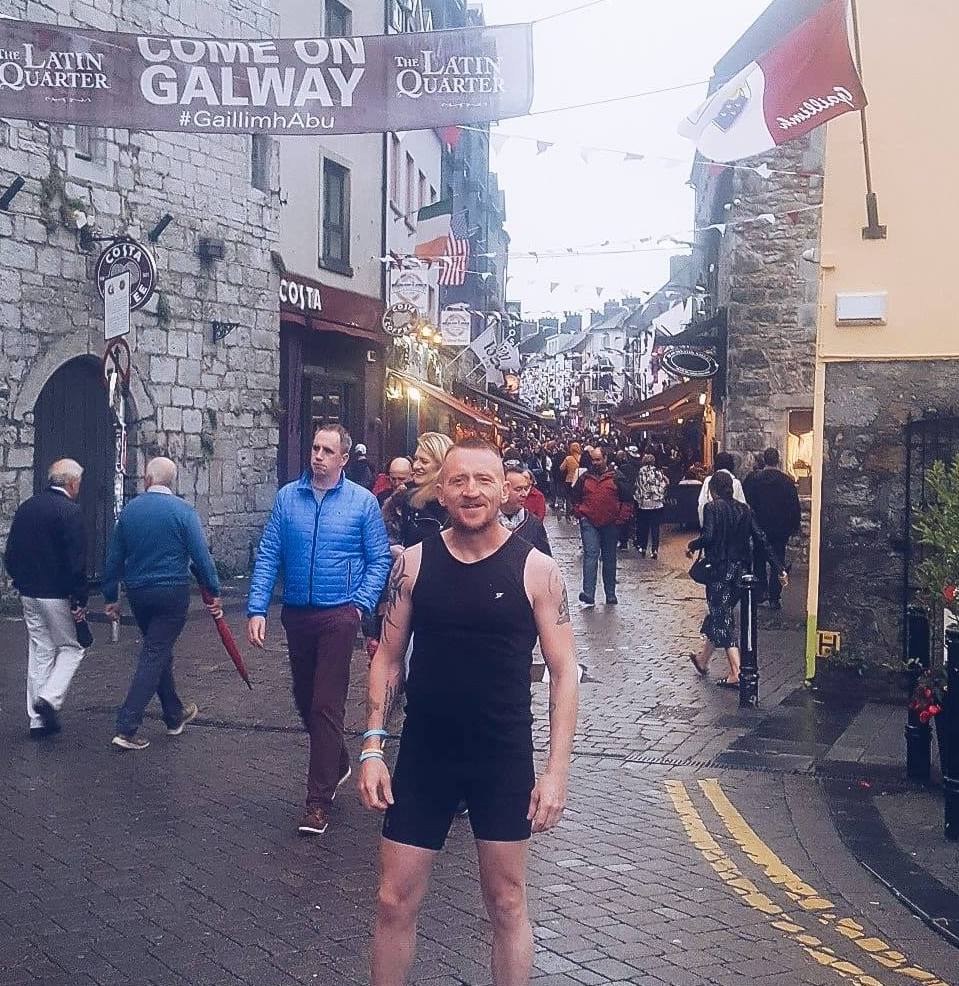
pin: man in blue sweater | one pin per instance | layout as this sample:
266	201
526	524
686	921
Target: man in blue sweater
328	536
156	538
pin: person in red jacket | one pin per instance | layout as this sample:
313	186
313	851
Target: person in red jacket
535	502
598	496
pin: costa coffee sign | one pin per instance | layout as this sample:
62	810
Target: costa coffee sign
302	297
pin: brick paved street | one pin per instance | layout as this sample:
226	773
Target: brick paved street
180	864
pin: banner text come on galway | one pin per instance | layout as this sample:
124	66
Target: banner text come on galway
282	86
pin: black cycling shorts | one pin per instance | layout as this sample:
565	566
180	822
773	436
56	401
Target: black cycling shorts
428	790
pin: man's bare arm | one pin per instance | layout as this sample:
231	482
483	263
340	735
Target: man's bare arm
386	669
551	612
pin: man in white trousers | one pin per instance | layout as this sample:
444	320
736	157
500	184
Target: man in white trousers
47	560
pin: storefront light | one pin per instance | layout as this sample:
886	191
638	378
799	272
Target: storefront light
414	395
702	399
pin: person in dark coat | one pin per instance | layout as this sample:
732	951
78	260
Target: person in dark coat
514	514
414	513
774	498
46	560
360	470
730	535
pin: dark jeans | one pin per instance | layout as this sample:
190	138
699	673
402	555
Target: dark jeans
647	528
768	585
599	542
160	612
321	647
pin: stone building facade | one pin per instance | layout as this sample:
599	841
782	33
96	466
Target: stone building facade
210	405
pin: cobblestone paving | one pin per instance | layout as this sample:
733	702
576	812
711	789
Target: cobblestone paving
180	865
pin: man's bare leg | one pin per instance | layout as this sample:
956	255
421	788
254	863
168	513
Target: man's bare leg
404	880
503	879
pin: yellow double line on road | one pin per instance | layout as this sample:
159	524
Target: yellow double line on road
797	890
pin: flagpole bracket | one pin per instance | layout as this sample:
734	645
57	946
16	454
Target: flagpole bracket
874	230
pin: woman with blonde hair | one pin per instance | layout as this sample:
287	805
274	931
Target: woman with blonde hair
413	514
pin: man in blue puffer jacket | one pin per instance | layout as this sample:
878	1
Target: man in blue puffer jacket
327	534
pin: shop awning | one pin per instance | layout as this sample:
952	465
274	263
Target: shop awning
513	407
663	410
473	414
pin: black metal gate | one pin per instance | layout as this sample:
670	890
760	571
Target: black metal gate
932	438
72	421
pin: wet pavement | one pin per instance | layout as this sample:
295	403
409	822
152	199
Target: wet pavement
698	848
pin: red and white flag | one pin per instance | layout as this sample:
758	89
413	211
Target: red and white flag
807	79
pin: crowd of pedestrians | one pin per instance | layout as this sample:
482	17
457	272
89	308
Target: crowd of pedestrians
443	563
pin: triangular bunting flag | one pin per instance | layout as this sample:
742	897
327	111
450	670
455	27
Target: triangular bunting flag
634	157
793	216
553	285
767	217
498	142
763	170
542	146
599	292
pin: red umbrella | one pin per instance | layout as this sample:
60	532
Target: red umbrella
226	635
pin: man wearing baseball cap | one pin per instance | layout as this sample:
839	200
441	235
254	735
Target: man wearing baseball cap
359	470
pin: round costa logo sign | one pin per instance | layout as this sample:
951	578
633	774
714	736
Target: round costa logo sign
690	361
133	258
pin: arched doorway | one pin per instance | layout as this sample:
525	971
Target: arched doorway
72	420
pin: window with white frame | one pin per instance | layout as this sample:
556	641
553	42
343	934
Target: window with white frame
396	173
339	20
336	217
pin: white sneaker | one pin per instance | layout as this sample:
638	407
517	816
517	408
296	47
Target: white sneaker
190	713
130	742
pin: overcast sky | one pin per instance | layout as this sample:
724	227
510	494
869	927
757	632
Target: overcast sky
555	199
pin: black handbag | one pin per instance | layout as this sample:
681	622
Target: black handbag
703	571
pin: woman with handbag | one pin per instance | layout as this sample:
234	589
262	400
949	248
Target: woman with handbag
729	533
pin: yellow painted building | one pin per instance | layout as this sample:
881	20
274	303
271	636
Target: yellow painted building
887	339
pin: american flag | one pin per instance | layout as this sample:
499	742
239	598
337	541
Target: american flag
453	270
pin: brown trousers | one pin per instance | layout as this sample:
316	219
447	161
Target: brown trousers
321	647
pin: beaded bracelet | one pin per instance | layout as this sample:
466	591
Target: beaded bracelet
371	755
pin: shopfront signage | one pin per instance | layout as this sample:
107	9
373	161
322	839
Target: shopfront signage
125	256
412	286
399	319
301	296
690	361
302	86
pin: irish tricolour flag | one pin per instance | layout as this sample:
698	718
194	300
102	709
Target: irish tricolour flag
433	230
807	79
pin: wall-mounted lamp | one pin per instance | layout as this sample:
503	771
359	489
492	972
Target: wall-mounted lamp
210	249
157	230
11	192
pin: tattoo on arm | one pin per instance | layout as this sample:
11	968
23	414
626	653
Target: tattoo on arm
394	591
555	584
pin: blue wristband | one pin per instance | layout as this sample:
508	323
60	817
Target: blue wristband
371	733
371	755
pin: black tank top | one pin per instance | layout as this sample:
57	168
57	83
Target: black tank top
468	693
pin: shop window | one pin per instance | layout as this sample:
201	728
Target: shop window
336	218
339	20
261	155
799	450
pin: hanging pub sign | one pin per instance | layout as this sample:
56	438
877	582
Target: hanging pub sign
127	256
400	319
689	361
282	86
413	287
456	326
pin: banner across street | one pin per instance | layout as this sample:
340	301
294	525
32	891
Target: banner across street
281	86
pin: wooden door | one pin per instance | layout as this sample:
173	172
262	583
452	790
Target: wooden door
72	421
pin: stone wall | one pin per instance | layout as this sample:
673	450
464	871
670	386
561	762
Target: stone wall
210	406
864	499
771	295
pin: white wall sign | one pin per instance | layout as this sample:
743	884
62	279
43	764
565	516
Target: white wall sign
455	326
116	306
412	287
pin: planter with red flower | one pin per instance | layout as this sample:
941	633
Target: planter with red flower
935	698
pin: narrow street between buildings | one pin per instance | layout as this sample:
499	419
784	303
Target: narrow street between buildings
698	846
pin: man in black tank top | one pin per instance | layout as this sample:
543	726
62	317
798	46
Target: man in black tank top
476	599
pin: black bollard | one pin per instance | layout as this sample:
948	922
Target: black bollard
947	732
748	647
918	734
